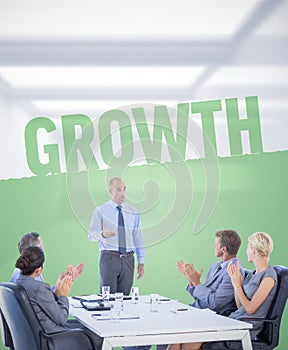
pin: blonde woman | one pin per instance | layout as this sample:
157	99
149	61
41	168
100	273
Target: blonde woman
253	295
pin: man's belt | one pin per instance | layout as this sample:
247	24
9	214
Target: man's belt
121	255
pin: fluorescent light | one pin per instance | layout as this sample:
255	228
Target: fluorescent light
77	106
250	76
100	77
82	106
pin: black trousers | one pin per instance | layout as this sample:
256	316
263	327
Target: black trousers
116	272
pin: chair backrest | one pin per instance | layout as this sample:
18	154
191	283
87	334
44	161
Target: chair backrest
268	338
19	314
5	333
270	332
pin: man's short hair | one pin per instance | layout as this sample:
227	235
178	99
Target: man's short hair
111	182
229	239
30	239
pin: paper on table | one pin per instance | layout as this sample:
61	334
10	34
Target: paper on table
112	297
75	303
104	317
160	299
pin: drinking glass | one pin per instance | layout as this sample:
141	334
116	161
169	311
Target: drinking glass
154	299
119	299
135	295
105	294
115	311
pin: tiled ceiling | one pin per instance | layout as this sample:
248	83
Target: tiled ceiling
59	56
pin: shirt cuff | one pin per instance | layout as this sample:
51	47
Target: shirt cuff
140	259
199	291
190	289
95	236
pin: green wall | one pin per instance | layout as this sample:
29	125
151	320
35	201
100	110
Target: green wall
253	196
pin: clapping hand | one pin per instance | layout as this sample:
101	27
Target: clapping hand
72	272
76	271
193	275
181	267
235	274
63	285
189	272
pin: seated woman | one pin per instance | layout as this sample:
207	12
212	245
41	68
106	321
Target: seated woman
255	293
52	309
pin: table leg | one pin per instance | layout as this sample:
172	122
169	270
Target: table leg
246	341
106	345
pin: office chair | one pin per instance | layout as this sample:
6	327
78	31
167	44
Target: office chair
5	333
25	328
268	338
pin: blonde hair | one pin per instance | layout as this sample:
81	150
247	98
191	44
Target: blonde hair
262	242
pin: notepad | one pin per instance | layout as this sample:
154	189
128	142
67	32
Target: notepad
112	297
107	317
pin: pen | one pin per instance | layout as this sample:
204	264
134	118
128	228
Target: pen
175	311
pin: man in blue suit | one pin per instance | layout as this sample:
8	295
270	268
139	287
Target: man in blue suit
217	292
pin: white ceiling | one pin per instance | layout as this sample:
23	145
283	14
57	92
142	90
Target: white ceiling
129	19
55	54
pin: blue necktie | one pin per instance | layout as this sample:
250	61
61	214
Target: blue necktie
121	232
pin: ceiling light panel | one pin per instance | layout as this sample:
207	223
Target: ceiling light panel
81	106
99	77
250	76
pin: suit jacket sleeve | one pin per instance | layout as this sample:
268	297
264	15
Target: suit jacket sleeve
217	298
190	290
56	310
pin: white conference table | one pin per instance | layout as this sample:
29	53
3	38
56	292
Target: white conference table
167	326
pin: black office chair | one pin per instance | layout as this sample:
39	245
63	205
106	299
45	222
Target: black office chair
5	333
25	328
268	338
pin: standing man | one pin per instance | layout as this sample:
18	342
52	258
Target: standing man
217	292
117	226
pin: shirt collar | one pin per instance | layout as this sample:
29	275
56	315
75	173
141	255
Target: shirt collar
226	263
115	205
